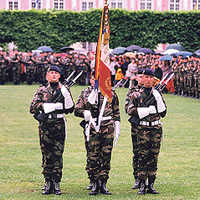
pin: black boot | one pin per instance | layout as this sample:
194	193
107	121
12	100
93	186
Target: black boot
48	187
103	188
142	187
136	185
95	188
57	188
150	188
90	185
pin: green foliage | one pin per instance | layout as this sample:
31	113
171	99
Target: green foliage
31	29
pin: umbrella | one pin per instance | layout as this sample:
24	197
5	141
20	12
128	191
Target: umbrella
145	50
178	47
66	49
129	54
166	57
133	48
183	53
119	50
170	51
197	52
45	49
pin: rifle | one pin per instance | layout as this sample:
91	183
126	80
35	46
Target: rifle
150	99
69	82
121	83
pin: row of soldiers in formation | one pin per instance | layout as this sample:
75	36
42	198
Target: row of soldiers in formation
187	78
31	67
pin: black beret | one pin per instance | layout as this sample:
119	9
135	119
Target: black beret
54	68
140	71
149	72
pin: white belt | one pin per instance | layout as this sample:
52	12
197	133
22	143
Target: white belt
104	118
57	116
154	123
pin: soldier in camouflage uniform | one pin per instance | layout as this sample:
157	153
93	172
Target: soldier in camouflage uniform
146	118
100	142
48	106
3	68
15	65
134	87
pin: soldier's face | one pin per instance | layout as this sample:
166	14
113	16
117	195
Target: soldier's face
92	80
52	76
148	81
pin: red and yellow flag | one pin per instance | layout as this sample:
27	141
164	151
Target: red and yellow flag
102	71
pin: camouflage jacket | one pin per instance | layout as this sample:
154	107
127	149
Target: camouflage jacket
111	109
46	94
135	98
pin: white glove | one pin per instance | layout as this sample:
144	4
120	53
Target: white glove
68	98
87	115
50	107
93	96
160	104
117	132
152	110
145	111
58	106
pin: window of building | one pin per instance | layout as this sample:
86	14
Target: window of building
13	5
90	5
58	4
145	4
84	6
87	5
117	3
36	4
174	5
196	4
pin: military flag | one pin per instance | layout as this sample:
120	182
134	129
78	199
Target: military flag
102	62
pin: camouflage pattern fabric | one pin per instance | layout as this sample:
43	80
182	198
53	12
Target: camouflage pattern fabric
100	143
148	137
149	140
134	131
51	132
52	140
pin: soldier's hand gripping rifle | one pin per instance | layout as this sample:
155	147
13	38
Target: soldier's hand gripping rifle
150	99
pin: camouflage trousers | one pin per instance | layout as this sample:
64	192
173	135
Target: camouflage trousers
99	153
135	151
149	141
52	140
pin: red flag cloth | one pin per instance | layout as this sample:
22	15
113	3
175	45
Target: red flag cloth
102	71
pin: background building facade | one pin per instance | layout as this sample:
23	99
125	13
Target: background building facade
83	5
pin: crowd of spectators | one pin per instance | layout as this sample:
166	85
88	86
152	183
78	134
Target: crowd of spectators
19	67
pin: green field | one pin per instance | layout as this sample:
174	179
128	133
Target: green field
20	157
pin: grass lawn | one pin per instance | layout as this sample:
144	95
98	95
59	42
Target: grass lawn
20	158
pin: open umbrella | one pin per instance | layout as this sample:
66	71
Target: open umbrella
145	51
130	54
166	57
178	47
184	53
132	48
45	49
197	52
119	50
170	52
66	49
